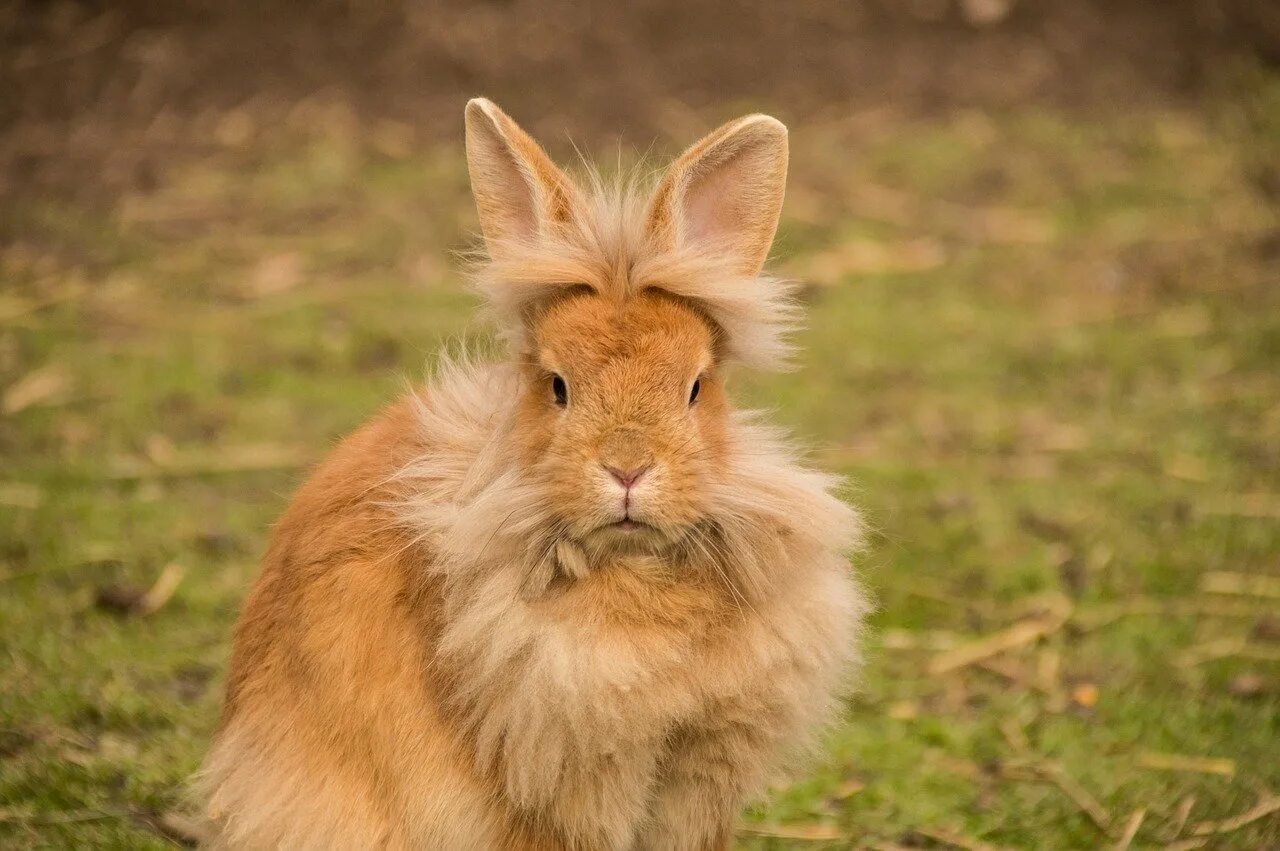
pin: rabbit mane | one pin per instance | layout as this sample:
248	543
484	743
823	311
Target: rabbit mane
605	243
489	530
767	508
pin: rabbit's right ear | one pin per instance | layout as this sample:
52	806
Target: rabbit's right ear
519	191
725	193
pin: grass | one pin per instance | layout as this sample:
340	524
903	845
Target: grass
1046	350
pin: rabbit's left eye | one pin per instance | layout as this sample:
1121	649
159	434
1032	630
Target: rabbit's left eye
693	391
560	390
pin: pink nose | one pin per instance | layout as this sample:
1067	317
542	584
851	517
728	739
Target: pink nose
627	478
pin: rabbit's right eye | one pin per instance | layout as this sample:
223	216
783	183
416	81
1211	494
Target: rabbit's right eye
560	390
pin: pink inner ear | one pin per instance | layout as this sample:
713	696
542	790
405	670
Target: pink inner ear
732	194
713	206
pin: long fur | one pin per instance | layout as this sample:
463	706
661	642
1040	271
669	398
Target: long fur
436	657
545	706
604	243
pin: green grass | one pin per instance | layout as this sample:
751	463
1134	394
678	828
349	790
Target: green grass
1045	349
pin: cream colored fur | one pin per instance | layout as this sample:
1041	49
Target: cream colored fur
445	652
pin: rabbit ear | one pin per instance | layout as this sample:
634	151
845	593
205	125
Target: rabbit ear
725	193
519	191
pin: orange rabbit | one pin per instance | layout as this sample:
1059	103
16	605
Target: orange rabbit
569	601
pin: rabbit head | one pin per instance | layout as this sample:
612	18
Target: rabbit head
622	309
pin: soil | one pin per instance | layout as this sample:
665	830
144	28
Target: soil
100	95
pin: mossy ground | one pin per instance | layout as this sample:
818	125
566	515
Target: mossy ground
1045	349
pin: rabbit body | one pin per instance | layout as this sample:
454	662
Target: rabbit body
571	601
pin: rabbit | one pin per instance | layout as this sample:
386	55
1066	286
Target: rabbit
572	599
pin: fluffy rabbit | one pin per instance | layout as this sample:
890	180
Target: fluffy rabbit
569	601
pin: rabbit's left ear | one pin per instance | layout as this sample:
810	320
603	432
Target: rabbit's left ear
519	191
724	194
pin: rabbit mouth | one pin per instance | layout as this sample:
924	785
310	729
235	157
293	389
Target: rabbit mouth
630	524
629	532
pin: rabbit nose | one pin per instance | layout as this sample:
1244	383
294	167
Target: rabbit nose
627	478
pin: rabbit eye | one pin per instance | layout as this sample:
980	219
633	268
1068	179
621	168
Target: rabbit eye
693	391
560	390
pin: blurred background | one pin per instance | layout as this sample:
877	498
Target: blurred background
1041	249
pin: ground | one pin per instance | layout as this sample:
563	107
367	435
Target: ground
1043	345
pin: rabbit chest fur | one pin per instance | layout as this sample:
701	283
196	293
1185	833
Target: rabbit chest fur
646	695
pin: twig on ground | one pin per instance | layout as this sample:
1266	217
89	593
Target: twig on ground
848	789
1188	764
12	309
1081	797
1033	605
43	386
20	495
127	600
1049	671
906	639
1241	584
1224	648
1186	844
1015	735
179	828
1268	805
1180	816
1020	634
31	817
955	840
1131	829
1077	793
815	832
1089	619
1007	673
162	590
243	459
1263	506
